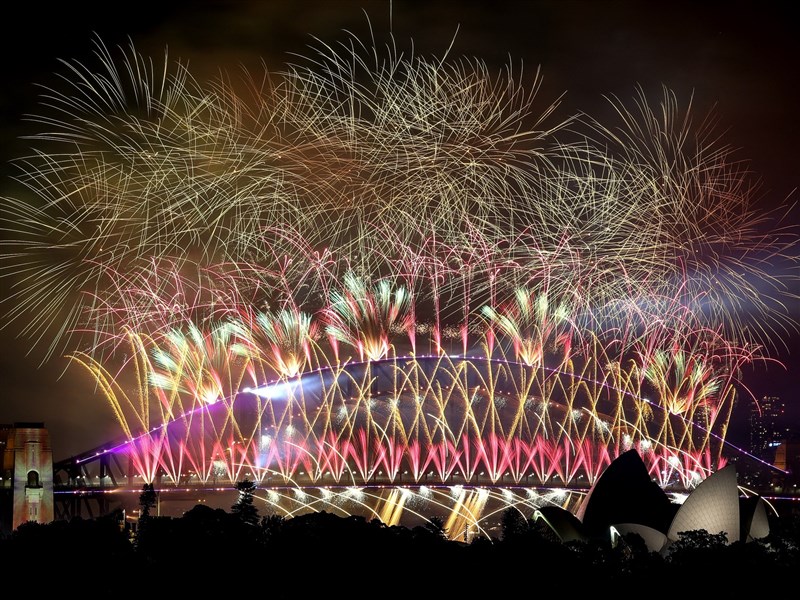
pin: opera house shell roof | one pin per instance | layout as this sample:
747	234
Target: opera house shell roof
625	500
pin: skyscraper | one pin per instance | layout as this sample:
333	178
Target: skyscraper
768	427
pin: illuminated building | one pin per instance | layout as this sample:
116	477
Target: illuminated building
624	500
26	489
768	427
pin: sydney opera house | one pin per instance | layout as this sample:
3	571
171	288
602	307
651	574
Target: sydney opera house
625	500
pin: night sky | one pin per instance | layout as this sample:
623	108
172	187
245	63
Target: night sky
738	59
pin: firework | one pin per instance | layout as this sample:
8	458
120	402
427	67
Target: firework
376	268
375	160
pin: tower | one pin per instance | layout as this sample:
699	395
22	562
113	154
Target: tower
27	475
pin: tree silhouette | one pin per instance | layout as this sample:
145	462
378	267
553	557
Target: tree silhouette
272	525
147	500
244	507
435	526
698	540
513	524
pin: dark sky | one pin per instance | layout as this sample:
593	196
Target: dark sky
739	59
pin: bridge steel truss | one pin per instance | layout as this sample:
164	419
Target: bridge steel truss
90	485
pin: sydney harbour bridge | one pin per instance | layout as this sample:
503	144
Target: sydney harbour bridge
399	439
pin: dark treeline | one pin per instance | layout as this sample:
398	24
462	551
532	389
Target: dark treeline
214	551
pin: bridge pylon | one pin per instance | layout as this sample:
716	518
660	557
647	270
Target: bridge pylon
26	478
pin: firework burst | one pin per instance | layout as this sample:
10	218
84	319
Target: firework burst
375	263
